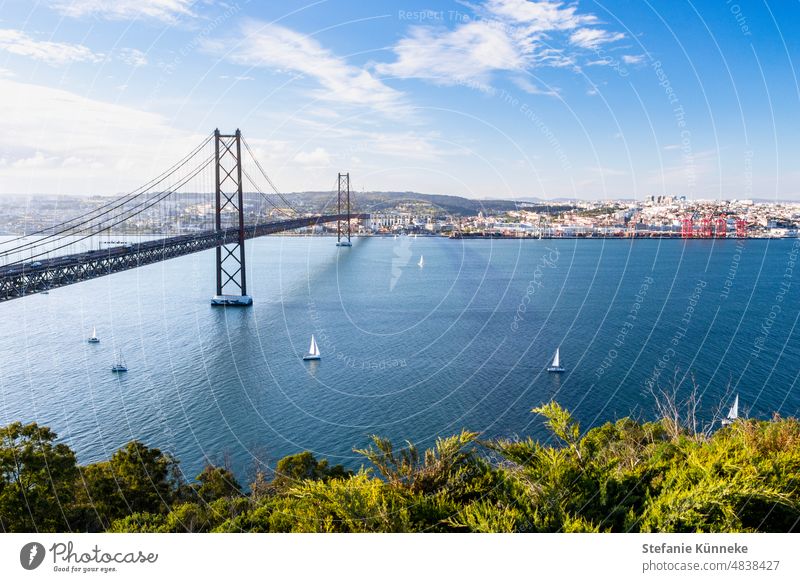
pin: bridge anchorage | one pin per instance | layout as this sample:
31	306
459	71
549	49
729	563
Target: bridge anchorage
231	273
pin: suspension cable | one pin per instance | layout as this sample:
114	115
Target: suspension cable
127	214
109	207
267	178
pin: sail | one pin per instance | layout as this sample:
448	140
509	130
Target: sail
557	360
733	414
313	349
421	261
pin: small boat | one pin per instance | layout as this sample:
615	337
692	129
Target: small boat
313	350
120	365
421	261
556	365
344	243
733	413
93	339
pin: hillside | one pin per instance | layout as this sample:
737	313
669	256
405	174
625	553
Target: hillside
454	205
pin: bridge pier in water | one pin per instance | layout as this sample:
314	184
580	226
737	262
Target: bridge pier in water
231	274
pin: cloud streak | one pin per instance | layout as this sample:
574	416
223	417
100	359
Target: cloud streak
279	48
19	43
505	36
163	10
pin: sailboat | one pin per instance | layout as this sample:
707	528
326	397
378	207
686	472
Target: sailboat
421	261
93	339
120	365
313	350
556	365
733	413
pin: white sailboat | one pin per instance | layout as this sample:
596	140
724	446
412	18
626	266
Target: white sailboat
733	413
556	365
93	339
120	365
313	350
421	261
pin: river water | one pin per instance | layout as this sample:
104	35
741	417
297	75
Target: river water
408	352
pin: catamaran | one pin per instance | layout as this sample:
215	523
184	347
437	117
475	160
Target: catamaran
313	350
733	413
120	365
421	261
556	365
93	339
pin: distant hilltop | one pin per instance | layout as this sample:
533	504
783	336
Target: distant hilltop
448	204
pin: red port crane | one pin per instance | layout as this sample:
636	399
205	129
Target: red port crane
741	228
687	227
721	229
705	228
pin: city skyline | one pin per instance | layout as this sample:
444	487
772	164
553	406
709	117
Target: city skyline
502	99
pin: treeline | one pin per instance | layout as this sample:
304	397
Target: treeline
624	476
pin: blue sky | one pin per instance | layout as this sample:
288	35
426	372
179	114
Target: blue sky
494	99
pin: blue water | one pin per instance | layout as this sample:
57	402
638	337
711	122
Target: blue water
408	352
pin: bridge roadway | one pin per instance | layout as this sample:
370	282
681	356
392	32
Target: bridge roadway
21	279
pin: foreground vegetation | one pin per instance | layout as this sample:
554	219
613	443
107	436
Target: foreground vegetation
625	476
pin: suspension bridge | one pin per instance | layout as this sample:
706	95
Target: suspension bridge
215	175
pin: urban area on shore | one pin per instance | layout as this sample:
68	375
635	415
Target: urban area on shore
454	217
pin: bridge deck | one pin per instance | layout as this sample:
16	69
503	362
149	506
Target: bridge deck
20	279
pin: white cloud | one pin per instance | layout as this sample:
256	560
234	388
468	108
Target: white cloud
603	171
54	53
238	77
317	157
540	15
133	57
592	38
632	59
80	145
37	160
164	10
282	49
533	89
468	53
506	35
408	145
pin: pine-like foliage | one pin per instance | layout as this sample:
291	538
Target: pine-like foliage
625	476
